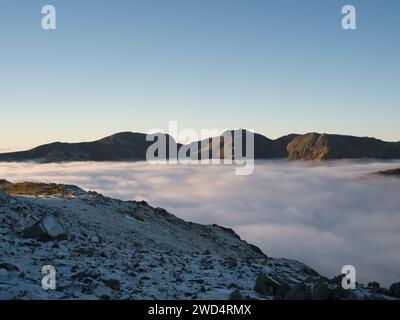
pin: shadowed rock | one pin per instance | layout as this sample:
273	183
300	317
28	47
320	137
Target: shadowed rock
322	291
394	290
267	286
300	291
48	228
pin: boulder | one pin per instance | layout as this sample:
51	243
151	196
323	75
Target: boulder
394	290
47	229
299	291
322	291
265	285
113	284
236	295
100	291
281	291
341	294
373	285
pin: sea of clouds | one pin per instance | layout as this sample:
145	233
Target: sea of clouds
325	214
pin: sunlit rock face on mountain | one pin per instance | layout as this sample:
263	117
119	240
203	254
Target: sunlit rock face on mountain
314	146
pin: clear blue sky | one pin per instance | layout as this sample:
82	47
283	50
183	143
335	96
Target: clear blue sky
274	66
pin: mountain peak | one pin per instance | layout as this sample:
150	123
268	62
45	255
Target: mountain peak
319	146
132	146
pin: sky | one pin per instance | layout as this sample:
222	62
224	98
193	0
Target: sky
276	67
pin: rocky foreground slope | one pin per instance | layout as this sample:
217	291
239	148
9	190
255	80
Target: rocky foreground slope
104	248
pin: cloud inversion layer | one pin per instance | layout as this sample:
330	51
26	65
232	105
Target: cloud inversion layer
325	215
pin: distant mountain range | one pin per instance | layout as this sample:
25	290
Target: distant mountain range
132	146
118	147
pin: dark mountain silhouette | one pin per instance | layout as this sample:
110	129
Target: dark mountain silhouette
117	147
219	146
133	146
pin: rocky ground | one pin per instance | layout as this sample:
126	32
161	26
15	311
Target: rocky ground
105	248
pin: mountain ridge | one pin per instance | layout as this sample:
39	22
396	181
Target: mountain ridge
132	146
316	146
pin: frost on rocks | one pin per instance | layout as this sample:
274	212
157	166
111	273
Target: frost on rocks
105	248
48	228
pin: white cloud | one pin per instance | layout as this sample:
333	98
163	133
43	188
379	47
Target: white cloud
326	214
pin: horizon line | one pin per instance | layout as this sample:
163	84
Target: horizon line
21	148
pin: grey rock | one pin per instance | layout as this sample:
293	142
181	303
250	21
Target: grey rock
47	229
100	291
236	295
299	291
281	291
113	284
394	290
266	285
375	287
322	291
341	294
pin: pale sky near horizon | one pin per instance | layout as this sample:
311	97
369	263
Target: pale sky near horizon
277	67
